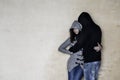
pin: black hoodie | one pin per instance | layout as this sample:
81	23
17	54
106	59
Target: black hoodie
88	38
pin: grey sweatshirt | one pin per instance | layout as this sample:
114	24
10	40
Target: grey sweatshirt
65	46
75	58
68	43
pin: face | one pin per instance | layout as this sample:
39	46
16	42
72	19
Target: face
76	31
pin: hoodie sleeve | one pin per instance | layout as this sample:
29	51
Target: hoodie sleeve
81	40
63	47
100	37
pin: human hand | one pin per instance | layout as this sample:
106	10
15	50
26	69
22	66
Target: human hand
71	53
98	47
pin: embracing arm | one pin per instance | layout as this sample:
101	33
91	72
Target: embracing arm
81	39
99	45
100	38
64	45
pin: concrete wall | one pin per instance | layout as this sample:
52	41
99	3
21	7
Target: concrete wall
32	30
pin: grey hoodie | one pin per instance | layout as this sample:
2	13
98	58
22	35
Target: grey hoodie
67	44
76	24
72	61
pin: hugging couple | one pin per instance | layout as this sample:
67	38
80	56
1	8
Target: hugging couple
84	47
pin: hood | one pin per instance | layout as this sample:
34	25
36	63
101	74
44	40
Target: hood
85	19
77	25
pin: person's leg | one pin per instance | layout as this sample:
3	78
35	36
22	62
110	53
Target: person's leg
71	75
91	70
76	73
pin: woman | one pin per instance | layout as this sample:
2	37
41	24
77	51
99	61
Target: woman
75	62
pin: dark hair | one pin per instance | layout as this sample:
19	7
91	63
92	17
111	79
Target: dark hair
72	34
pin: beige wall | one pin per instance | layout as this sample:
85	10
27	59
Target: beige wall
32	30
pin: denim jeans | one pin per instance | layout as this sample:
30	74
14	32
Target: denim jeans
91	70
76	73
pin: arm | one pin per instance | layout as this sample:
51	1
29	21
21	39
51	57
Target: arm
64	45
100	38
99	45
81	40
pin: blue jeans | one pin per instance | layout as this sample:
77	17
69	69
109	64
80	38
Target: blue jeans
91	70
76	73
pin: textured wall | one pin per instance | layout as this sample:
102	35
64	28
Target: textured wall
32	30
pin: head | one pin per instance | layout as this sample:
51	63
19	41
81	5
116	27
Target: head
86	20
75	29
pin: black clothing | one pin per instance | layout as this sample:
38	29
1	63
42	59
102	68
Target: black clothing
88	39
